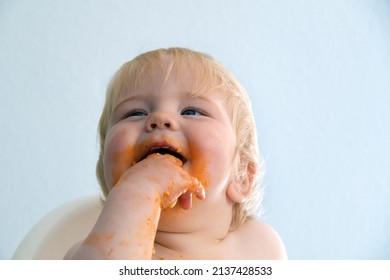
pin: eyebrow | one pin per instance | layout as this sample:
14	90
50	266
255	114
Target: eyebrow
126	98
131	97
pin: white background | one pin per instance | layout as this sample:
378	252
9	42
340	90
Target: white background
318	73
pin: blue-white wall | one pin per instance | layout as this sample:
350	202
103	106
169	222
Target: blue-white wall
318	73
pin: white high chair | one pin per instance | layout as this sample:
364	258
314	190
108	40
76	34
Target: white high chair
60	229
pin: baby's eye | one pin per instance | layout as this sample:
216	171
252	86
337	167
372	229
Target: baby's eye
135	113
191	112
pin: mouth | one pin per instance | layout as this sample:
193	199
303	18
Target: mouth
163	149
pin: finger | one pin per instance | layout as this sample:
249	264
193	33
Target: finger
198	189
173	159
173	204
186	200
200	193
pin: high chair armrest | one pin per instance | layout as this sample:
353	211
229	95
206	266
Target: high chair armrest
61	228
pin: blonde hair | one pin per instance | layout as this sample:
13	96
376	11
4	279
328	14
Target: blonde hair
207	75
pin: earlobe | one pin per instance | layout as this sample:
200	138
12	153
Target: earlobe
239	189
234	192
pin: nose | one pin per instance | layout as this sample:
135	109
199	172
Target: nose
161	120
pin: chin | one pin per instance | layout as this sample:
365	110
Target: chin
180	220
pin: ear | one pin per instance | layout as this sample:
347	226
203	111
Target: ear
240	188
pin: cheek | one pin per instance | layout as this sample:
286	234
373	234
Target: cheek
118	156
212	158
200	161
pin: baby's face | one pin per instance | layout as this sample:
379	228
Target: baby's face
162	117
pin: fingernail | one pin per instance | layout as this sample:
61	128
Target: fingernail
173	204
200	193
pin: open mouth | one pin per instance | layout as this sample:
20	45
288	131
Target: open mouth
164	150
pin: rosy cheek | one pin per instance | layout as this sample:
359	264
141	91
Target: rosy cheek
212	160
121	155
121	162
117	157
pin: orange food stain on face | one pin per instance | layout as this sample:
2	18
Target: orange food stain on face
123	160
128	157
132	154
199	166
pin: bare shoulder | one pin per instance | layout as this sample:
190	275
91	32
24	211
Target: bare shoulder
260	241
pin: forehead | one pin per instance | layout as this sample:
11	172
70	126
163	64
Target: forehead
197	77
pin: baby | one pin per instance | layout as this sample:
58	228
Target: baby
178	165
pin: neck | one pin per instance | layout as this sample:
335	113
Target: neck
203	238
191	234
202	244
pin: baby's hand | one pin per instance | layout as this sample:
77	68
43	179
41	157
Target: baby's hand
163	177
127	225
